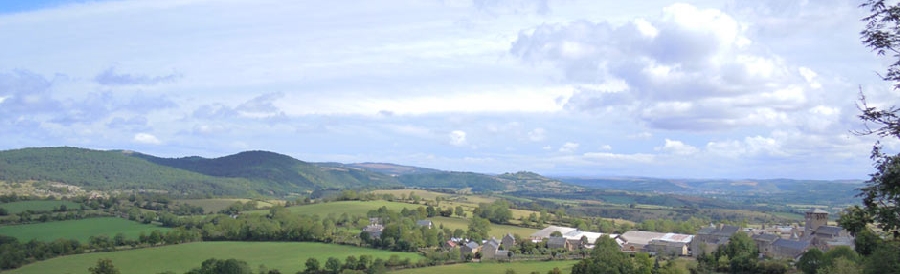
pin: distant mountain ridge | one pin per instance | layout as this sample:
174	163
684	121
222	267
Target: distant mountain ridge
246	173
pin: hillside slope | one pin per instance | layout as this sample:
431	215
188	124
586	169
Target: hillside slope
108	170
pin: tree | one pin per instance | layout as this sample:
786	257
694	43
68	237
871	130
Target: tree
478	228
459	211
866	242
881	205
810	261
312	265
104	266
333	264
842	266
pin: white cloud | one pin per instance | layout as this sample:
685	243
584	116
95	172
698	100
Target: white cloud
757	82
690	69
568	147
537	134
606	156
146	138
677	148
458	138
810	77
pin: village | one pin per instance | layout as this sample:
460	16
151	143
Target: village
788	242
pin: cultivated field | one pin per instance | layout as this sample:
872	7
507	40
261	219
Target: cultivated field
493	268
38	205
80	230
288	257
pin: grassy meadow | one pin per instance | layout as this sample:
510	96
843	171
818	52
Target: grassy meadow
38	205
493	268
216	205
496	230
288	257
80	230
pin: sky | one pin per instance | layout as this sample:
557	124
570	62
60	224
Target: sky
690	89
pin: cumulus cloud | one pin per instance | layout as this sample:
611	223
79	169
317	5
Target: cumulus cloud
259	107
111	77
458	138
569	147
691	69
146	138
677	148
496	7
537	134
617	157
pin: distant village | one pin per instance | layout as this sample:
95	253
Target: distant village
779	241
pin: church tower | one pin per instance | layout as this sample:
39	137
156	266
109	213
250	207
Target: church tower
814	219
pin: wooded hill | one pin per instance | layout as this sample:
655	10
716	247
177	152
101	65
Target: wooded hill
243	174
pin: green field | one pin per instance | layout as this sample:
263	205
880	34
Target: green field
493	267
39	205
350	207
216	205
288	257
496	230
80	230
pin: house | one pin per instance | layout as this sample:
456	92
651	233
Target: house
640	241
469	248
558	243
489	249
450	244
508	241
764	242
374	231
708	239
660	246
827	237
788	249
425	223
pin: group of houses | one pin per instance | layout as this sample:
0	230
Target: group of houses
784	242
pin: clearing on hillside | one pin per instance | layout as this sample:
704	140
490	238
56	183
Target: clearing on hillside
216	205
80	230
38	205
287	257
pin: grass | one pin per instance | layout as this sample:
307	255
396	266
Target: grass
350	207
216	205
38	205
496	230
424	194
493	267
80	230
288	257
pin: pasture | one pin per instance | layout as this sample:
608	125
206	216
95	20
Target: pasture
496	230
350	207
38	205
216	205
288	257
80	230
494	267
361	208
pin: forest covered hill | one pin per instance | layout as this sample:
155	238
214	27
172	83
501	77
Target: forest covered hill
243	174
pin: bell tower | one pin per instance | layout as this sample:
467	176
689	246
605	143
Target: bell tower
814	219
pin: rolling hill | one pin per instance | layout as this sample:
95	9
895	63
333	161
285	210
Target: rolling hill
243	174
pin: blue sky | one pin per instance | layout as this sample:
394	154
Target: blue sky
696	89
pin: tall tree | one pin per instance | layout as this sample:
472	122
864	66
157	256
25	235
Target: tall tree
104	266
881	204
